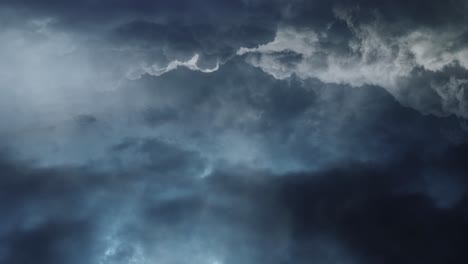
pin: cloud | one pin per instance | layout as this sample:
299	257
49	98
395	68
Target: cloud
345	42
373	57
156	71
245	131
374	214
355	212
133	214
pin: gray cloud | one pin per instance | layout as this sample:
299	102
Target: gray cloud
225	132
350	42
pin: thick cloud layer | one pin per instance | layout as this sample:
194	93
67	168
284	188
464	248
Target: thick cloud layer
343	42
243	131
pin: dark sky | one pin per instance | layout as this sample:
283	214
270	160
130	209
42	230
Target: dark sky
233	131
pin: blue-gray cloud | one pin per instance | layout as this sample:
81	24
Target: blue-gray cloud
222	132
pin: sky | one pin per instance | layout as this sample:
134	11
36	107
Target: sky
233	131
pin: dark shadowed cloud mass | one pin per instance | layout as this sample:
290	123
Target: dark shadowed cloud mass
233	131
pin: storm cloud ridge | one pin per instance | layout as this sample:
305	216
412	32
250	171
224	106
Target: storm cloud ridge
233	131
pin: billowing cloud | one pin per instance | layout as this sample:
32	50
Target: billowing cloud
345	42
233	131
373	56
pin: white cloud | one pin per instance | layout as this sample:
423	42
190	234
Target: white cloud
374	57
156	70
373	60
434	50
302	42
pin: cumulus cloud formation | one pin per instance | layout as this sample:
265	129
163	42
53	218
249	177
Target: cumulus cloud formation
233	131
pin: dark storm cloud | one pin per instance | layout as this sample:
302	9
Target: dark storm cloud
218	132
353	213
179	41
439	92
61	215
211	179
225	14
40	223
164	30
412	10
374	211
308	122
219	28
390	186
75	215
351	42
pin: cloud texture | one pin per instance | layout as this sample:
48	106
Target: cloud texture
240	131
